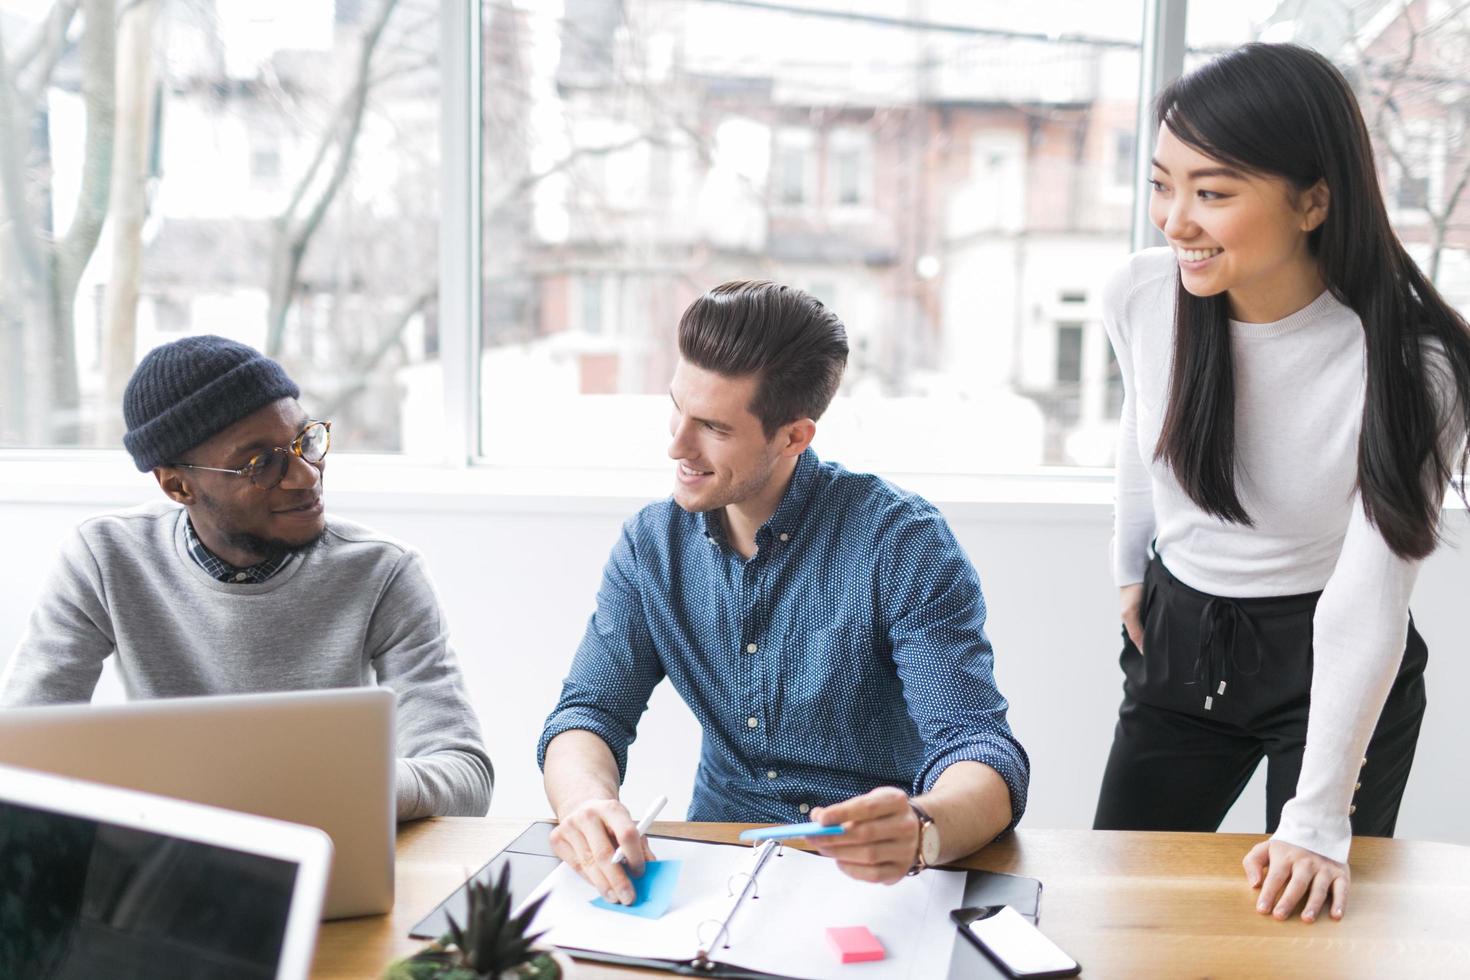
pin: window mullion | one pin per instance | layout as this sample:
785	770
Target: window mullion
460	229
1161	61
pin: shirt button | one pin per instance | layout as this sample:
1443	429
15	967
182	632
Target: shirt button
770	774
785	537
1363	763
805	807
751	722
1357	786
240	576
751	648
1352	810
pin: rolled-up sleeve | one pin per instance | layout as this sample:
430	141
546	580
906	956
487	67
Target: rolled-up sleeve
935	612
616	667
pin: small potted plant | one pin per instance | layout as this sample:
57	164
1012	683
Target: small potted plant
492	945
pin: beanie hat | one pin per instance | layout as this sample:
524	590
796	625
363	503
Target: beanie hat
184	392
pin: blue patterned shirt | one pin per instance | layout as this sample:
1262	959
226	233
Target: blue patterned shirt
848	653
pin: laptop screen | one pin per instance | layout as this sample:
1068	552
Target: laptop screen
83	898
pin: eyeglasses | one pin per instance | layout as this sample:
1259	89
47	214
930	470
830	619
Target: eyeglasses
267	470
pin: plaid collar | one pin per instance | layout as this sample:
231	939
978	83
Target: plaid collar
224	572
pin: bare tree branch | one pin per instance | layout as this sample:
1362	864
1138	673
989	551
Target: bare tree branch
357	107
1396	76
422	63
361	371
1441	220
50	38
293	238
74	249
528	181
99	95
1392	104
54	47
17	211
308	177
129	201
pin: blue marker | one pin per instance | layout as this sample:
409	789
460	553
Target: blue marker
791	830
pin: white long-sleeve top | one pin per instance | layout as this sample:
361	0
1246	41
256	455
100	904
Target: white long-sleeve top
1299	387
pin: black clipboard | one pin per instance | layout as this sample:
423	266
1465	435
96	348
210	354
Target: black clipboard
530	859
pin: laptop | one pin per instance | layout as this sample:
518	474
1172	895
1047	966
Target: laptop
97	881
320	758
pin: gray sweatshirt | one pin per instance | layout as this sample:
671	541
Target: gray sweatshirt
356	611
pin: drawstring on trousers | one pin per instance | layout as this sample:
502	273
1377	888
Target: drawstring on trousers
1220	627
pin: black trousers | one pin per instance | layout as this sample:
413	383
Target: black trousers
1221	684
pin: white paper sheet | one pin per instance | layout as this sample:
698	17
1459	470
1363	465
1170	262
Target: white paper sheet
783	930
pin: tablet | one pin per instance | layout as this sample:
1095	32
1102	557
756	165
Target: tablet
97	881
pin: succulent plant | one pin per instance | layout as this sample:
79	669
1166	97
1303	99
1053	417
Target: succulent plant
490	945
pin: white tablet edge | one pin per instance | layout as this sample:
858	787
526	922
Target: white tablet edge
306	847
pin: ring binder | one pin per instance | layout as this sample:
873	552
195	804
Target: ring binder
702	958
775	938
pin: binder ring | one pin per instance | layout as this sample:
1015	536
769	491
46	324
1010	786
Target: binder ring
706	939
752	884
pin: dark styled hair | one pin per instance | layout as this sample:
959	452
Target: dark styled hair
1285	111
796	346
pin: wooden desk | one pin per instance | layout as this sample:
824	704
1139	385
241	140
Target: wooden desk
1124	904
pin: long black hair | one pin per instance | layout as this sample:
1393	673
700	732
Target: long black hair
1285	111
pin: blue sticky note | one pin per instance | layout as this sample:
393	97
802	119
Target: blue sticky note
652	894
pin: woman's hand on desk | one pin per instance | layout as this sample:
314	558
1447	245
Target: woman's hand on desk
882	835
1286	874
587	836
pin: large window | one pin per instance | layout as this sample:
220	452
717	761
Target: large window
956	178
263	169
942	174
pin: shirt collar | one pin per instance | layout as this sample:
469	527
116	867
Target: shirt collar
223	571
788	512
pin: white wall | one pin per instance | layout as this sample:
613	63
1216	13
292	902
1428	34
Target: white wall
517	576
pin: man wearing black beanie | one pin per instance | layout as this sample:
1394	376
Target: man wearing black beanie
242	583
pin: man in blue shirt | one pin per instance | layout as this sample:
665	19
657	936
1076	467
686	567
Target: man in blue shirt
824	626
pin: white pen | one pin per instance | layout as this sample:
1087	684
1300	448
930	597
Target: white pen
644	824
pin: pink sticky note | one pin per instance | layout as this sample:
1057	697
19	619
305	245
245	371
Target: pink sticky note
854	944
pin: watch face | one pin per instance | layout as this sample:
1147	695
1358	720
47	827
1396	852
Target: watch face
929	844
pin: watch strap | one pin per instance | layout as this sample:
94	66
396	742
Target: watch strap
925	821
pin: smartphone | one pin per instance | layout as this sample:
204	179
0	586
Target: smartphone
1016	946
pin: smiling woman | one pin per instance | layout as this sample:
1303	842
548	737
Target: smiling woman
1297	396
1237	233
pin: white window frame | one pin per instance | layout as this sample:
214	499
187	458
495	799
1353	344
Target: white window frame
461	224
1161	60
